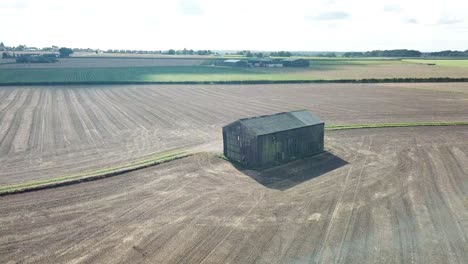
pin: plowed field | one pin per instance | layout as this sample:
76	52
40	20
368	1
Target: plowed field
394	195
53	131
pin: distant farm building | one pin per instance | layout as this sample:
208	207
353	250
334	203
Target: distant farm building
235	63
295	62
265	62
273	139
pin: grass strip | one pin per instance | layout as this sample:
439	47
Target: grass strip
170	156
91	175
384	125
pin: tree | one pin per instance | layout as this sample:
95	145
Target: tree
2	46
20	48
259	55
281	54
204	52
171	52
448	53
65	52
353	54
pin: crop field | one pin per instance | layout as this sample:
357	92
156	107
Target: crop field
115	70
441	62
377	196
48	132
454	87
110	62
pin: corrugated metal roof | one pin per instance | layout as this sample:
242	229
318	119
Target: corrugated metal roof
261	60
268	124
232	61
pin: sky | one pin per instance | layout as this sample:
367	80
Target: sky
293	25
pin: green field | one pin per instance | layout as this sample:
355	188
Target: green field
445	62
320	69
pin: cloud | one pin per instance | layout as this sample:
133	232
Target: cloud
392	8
330	16
412	21
448	20
189	7
13	4
381	24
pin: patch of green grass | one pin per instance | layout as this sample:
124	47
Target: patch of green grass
148	74
221	156
383	125
94	174
128	74
442	62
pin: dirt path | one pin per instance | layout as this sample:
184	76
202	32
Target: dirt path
378	196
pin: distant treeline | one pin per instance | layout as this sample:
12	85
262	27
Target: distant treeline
448	53
22	48
406	53
248	53
169	52
385	53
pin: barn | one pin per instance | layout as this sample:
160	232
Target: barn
265	62
273	139
235	63
291	62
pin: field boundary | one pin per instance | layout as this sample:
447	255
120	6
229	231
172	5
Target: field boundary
371	80
92	175
386	125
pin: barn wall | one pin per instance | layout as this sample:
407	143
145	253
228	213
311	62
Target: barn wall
231	143
296	63
242	146
289	145
239	144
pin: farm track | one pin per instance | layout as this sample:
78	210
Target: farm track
390	195
54	131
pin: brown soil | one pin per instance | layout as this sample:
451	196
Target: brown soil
53	131
377	196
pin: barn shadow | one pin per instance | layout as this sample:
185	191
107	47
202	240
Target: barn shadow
288	175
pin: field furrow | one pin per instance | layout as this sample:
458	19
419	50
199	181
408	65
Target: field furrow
65	130
11	124
391	195
21	140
